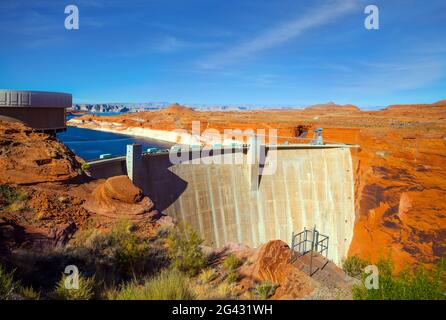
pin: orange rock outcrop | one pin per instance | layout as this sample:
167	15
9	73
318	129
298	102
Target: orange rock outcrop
273	264
117	198
53	196
28	157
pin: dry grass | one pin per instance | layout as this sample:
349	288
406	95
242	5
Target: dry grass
264	290
167	285
84	292
207	275
231	262
220	291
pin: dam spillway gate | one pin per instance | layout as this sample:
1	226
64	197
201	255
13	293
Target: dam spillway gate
311	185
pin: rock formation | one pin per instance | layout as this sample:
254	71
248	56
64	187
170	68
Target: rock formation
118	198
273	264
28	157
100	107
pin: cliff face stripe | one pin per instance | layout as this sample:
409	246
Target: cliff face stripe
290	224
236	204
261	221
222	216
214	215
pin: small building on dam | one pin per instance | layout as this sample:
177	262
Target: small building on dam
40	110
227	201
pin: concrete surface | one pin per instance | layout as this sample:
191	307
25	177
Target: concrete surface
311	186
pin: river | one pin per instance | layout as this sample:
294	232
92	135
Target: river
90	144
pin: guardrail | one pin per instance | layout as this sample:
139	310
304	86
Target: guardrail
309	241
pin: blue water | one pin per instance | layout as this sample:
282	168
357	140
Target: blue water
90	144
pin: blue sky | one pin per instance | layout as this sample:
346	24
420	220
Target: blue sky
281	52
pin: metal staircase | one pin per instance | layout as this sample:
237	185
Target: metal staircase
310	245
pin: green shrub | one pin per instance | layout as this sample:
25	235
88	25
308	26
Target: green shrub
11	198
8	286
232	276
167	285
29	293
123	248
129	247
22	196
184	250
85	166
231	262
264	290
420	284
84	292
207	275
7	194
354	266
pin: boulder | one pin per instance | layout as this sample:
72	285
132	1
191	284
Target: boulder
273	265
273	257
119	198
122	189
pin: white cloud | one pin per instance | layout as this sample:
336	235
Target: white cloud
166	44
316	17
391	76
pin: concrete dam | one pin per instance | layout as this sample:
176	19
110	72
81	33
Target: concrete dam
229	201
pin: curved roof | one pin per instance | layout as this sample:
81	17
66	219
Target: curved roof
27	98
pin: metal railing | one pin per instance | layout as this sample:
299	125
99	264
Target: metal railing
309	241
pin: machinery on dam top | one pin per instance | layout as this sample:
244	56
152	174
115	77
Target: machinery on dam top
317	137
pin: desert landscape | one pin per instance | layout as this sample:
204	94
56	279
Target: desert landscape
50	203
237	151
399	167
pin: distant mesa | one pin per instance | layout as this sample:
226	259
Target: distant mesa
118	107
100	108
176	108
441	103
415	108
332	107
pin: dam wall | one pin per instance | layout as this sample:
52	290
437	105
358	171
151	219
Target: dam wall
311	186
103	169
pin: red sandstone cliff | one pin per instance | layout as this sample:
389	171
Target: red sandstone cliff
30	157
